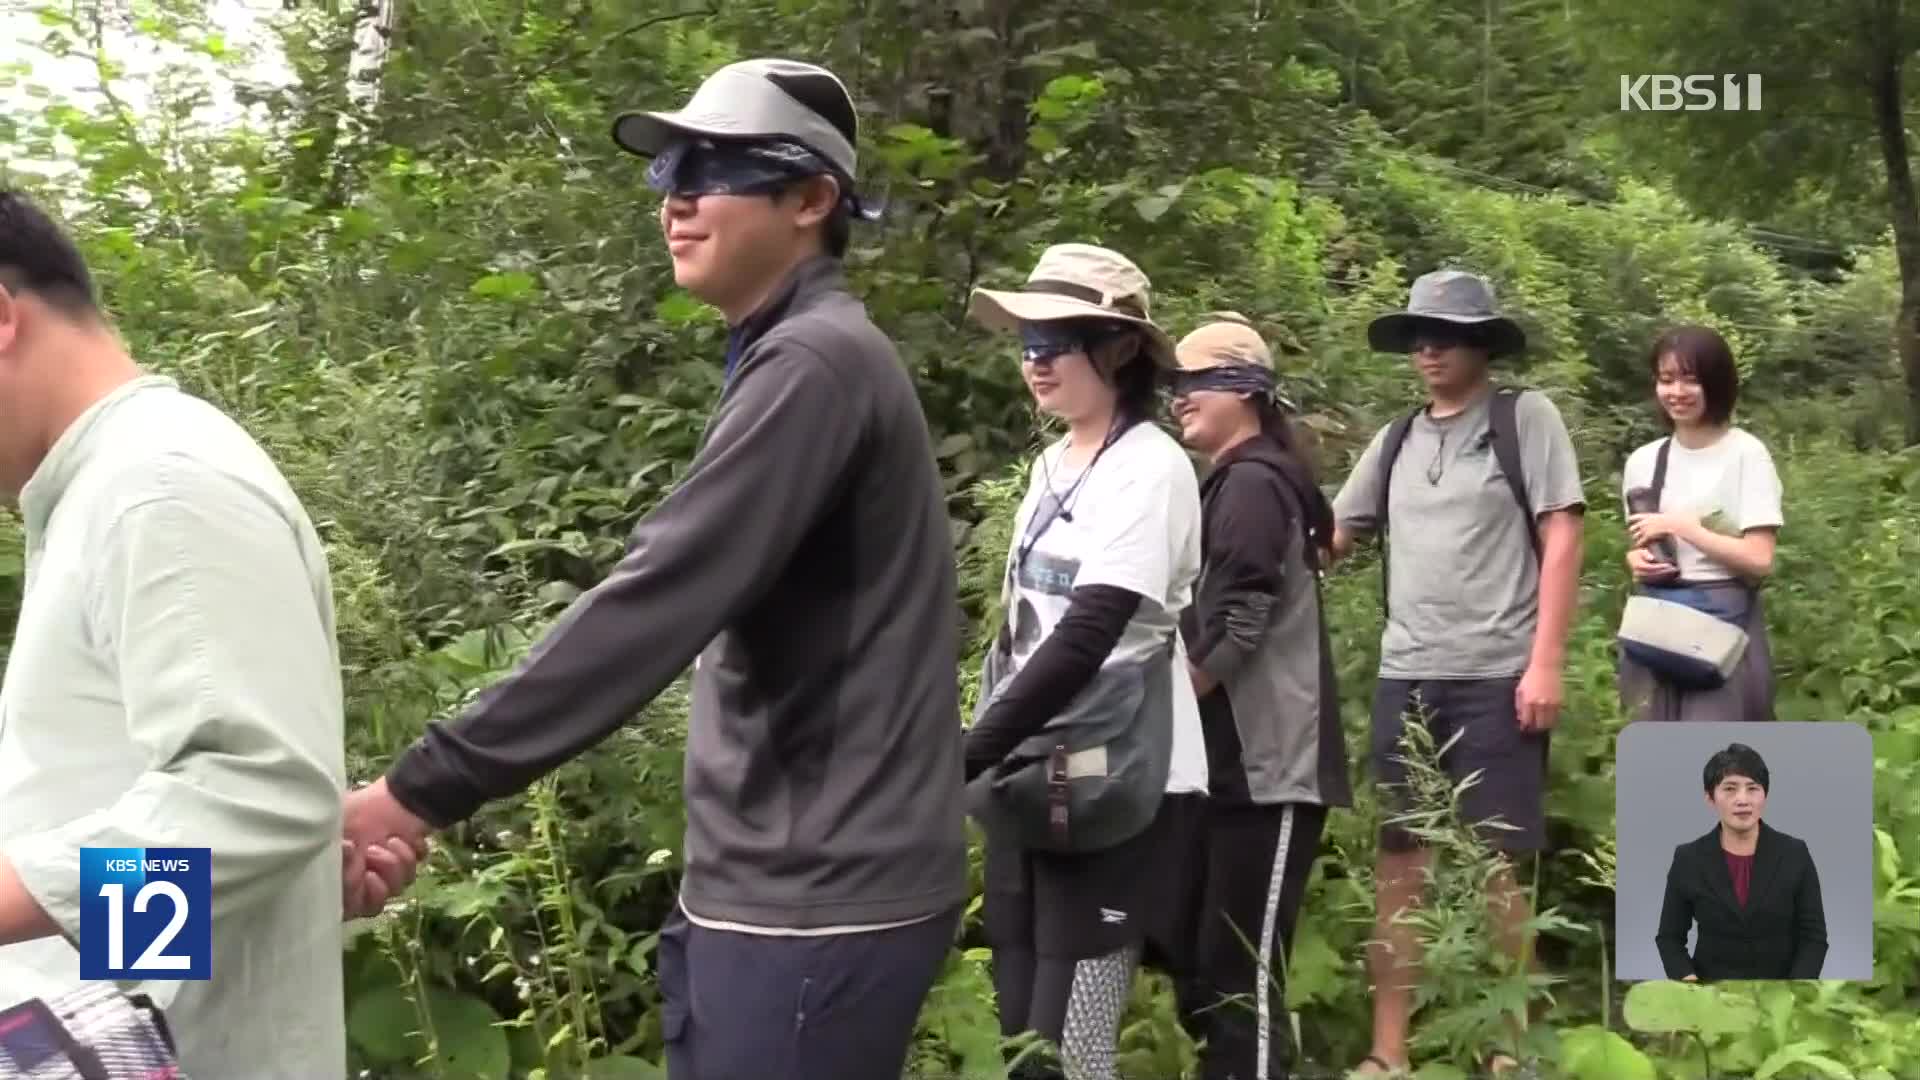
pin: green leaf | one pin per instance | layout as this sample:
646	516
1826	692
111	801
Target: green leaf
1594	1053
1152	207
558	592
385	1025
624	1068
679	309
1806	1053
512	285
1665	1007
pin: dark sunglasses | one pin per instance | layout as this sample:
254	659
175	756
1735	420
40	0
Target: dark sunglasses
1441	337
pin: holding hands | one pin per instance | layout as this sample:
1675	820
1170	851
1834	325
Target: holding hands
381	849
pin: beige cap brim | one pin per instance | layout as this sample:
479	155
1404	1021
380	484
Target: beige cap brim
1005	311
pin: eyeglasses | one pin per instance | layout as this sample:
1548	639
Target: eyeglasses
1438	340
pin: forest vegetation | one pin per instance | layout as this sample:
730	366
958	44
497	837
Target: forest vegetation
422	274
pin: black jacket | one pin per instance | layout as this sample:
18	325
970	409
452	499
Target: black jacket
1256	624
1780	934
807	559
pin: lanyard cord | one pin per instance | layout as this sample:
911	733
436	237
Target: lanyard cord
1061	508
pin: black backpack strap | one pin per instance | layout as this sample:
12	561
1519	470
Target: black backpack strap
1506	450
1660	469
1389	452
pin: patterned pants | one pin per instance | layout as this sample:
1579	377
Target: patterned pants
1095	1004
1075	1005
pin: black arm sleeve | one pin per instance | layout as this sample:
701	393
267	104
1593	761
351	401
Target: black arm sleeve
1060	668
1809	924
776	450
1250	525
1676	918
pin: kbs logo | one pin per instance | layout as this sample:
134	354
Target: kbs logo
1666	93
150	905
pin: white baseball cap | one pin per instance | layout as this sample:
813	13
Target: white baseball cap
756	99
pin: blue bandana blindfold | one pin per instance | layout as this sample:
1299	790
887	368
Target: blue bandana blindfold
694	167
1227	378
1256	382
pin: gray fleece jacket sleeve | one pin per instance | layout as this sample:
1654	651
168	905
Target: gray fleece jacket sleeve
777	448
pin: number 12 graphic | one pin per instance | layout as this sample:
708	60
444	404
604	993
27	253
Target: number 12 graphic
166	921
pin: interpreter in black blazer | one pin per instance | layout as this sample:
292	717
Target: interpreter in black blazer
1751	890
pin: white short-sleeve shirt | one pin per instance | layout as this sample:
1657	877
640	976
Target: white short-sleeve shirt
1132	521
1731	486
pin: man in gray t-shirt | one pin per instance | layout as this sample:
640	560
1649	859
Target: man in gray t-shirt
1476	622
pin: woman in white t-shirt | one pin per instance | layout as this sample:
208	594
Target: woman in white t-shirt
1105	552
1717	520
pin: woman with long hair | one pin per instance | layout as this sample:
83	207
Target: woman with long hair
1261	663
1704	513
1073	747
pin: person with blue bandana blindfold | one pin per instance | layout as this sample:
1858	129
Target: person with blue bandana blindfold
1261	662
805	569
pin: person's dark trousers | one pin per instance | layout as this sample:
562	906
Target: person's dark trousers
1259	859
739	1006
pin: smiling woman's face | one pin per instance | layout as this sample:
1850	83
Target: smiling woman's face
1060	372
1739	801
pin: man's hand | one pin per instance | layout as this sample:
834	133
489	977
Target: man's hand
1648	567
1690	978
1538	698
372	877
383	844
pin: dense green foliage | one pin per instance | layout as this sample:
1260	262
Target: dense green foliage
450	317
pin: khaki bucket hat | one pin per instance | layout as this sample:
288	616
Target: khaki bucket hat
1078	281
1229	340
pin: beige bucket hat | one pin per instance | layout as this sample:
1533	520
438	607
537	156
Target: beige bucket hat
1229	339
1078	281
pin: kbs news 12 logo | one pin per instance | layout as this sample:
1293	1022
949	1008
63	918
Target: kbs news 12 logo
143	913
1689	93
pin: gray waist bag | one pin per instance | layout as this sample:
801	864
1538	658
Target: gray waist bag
91	1033
1094	776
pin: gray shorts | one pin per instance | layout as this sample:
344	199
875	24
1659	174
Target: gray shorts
1512	763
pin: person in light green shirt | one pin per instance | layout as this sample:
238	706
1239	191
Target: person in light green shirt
173	679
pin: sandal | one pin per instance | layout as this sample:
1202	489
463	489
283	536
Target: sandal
1386	1069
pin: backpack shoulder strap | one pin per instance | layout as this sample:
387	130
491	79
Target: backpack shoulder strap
1389	452
1660	468
1506	450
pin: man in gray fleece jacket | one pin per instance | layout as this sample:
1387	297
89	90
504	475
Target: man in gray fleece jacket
806	560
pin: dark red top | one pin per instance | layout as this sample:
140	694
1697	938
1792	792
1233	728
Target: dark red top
1741	867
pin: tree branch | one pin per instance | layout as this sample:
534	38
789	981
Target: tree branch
577	54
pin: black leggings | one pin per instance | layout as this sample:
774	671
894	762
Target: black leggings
1253	864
